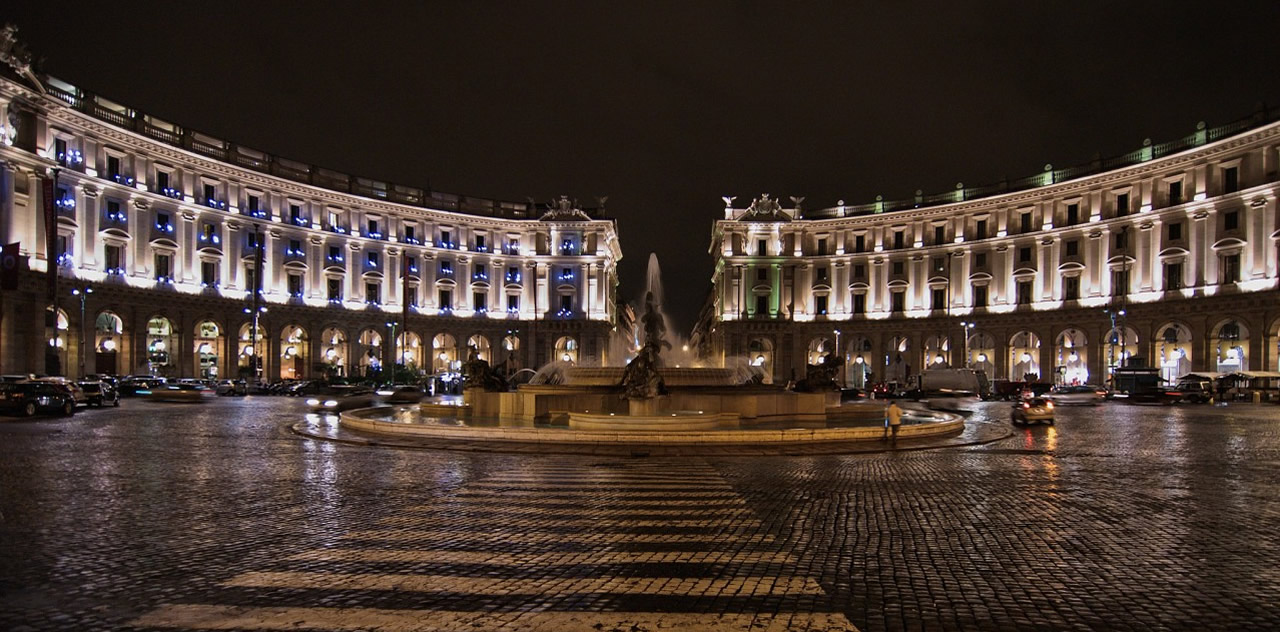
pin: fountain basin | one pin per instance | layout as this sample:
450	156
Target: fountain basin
676	421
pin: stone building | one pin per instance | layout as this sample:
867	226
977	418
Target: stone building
160	234
1164	257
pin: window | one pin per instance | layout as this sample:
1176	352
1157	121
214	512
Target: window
762	248
372	258
162	180
762	274
60	246
1025	222
1230	180
822	274
411	265
822	247
481	246
253	203
820	304
1175	231
860	243
113	166
981	232
1120	282
566	303
897	267
1072	247
411	292
1231	220
762	305
162	221
859	271
335	289
208	273
1073	214
409	233
513	303
446	299
446	237
163	272
1231	268
898	238
937	264
252	239
980	260
335	220
60	150
113	258
446	267
251	279
898	300
939	234
295	212
295	246
1173	276
1122	204
210	192
373	293
208	231
938	300
1024	254
477	271
513	274
1175	193
980	296
1071	289
1024	292
480	301
295	285
859	303
1122	239
335	253
373	227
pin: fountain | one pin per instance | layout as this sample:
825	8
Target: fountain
649	400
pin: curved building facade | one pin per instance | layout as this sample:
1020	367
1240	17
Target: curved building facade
1165	257
181	254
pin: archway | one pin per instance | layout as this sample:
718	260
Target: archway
162	340
334	351
566	349
409	350
857	355
369	352
1024	357
760	355
937	352
252	348
1120	344
107	340
982	353
444	354
481	345
1230	343
897	362
511	349
819	349
58	329
1173	351
295	349
1071	357
206	347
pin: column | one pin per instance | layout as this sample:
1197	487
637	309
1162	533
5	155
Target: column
188	262
316	286
391	278
91	246
230	275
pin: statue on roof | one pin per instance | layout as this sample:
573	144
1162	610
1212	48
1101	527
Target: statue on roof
765	209
564	209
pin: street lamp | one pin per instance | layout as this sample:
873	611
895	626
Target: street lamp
392	352
840	373
965	328
255	358
83	294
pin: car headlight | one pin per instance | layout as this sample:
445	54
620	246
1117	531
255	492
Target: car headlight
313	402
331	403
386	393
1048	405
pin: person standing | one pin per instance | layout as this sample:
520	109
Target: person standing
893	416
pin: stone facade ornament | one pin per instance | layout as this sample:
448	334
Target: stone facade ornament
764	209
565	209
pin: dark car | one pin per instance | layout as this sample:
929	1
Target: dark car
100	393
28	398
402	394
339	399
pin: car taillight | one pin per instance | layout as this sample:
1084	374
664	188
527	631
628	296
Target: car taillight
1026	405
1048	405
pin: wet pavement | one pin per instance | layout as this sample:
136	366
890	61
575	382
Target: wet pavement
169	516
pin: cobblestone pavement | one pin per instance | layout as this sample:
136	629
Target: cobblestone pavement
216	517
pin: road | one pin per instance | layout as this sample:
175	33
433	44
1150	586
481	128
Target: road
213	517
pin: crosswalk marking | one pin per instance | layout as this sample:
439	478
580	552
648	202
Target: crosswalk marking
738	586
542	560
206	617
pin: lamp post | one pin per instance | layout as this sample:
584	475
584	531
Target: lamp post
392	352
965	328
255	358
83	294
840	373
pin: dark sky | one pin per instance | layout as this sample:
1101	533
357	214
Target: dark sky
666	107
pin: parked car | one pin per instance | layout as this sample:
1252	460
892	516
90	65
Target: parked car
139	384
344	398
28	398
77	393
100	393
231	387
1196	391
1078	395
1033	409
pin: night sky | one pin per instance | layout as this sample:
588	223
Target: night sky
666	107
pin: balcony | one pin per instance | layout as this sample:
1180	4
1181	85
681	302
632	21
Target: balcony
162	230
215	203
375	234
512	277
119	218
259	213
511	249
171	193
412	240
566	276
335	259
481	248
334	228
300	221
209	240
66	206
120	178
448	245
296	253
